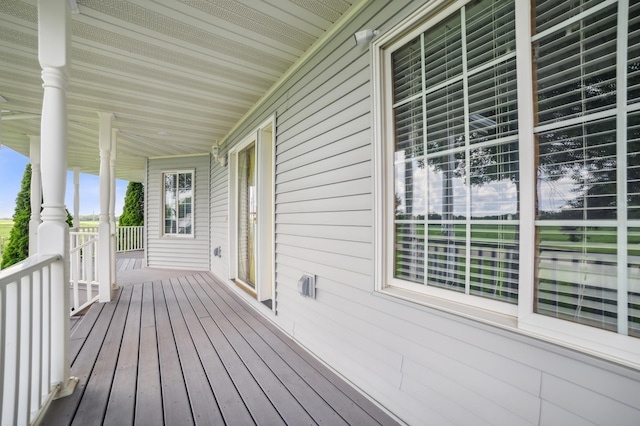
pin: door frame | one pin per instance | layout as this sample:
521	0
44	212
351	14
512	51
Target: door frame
264	138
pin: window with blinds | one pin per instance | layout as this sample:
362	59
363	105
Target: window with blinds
456	154
453	169
587	144
178	203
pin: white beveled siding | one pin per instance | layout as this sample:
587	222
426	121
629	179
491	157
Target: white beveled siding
220	218
190	252
424	365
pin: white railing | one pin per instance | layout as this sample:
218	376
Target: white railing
129	238
84	258
89	229
29	338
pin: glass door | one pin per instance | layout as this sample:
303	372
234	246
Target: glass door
247	215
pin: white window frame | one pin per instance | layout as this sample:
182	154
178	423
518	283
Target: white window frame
519	318
163	232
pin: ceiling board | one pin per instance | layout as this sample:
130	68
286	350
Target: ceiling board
189	68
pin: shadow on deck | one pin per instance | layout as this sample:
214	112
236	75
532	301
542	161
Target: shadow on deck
179	347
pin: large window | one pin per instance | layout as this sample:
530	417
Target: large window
455	154
587	149
511	175
178	203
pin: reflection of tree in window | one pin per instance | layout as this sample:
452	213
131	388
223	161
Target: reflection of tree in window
456	135
581	158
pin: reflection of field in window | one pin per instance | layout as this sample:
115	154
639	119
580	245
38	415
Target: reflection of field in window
581	159
456	154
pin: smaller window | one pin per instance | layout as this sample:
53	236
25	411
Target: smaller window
178	203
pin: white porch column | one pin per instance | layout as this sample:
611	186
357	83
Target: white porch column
76	198
36	193
104	228
112	207
54	35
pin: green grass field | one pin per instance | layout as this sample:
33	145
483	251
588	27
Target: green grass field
7	224
87	223
5	230
5	227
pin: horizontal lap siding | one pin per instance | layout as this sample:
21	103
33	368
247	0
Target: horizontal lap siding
190	253
220	218
426	366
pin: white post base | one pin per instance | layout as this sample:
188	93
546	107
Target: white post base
66	388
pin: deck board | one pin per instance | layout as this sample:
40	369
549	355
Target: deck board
287	406
340	395
82	329
185	349
203	402
227	397
287	381
62	411
148	397
175	401
121	403
94	402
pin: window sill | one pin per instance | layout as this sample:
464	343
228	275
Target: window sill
593	341
178	236
453	307
600	344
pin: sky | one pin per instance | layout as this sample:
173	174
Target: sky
494	198
12	165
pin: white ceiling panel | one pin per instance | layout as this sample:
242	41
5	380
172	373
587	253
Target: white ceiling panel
177	74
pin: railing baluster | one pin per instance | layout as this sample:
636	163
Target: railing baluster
24	399
36	368
75	270
25	339
129	238
85	262
11	351
47	315
90	259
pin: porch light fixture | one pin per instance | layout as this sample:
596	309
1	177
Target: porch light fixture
220	158
364	36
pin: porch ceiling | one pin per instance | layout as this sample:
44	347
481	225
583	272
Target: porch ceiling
177	74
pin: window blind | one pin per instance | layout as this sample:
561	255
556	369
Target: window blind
455	149
553	12
581	213
576	68
633	53
577	275
633	280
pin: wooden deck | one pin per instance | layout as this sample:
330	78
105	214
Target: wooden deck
182	348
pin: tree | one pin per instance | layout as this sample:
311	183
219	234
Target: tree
133	211
18	247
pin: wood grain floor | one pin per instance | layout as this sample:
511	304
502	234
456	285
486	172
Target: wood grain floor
186	350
